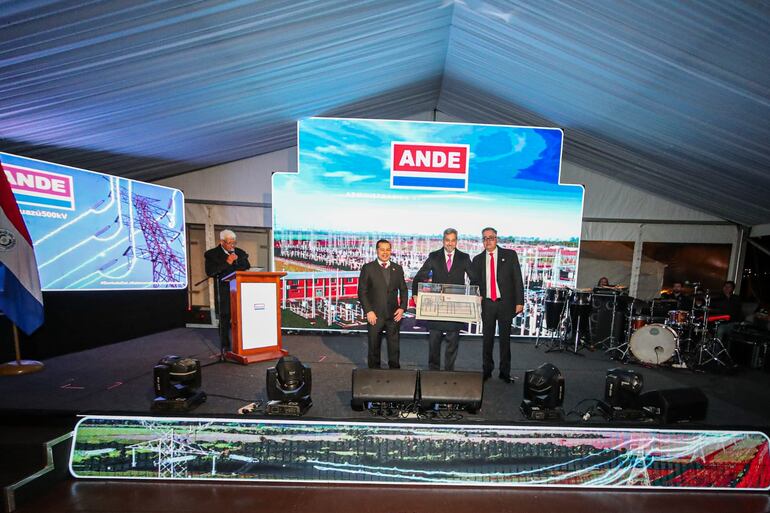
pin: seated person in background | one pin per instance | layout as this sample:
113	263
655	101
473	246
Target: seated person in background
603	282
683	301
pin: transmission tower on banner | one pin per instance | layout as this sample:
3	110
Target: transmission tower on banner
167	266
173	449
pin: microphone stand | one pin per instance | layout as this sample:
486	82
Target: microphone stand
218	305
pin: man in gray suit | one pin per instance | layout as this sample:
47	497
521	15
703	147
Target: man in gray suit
383	296
446	265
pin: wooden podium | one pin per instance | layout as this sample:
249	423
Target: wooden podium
255	316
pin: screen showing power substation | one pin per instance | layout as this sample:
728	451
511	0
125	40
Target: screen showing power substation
362	180
93	231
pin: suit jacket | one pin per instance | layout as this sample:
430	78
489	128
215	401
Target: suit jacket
435	265
217	268
509	281
378	296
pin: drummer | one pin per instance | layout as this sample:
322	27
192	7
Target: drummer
603	282
683	301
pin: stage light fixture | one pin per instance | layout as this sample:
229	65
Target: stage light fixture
177	381
543	393
289	384
622	388
621	394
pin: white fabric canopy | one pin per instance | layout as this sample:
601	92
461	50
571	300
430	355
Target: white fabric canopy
671	97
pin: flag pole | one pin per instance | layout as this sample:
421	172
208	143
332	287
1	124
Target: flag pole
19	366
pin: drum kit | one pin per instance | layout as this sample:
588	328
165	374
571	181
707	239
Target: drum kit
566	319
658	332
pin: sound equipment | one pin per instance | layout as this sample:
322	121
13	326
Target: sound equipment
749	347
675	404
451	390
600	320
393	386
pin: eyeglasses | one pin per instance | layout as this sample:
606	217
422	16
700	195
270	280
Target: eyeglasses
489	238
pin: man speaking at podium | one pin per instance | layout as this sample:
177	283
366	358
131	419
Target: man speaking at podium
221	261
447	265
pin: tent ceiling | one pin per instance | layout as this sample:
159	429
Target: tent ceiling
670	97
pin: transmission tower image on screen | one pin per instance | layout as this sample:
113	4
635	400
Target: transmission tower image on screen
93	231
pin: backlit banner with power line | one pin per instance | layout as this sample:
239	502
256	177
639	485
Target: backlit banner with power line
361	180
93	231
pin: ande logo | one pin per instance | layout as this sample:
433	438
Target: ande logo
7	240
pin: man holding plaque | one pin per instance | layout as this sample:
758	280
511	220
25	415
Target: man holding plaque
383	295
502	290
447	265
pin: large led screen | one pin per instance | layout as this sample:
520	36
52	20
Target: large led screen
93	231
362	180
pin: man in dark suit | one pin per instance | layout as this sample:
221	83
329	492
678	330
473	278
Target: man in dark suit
499	279
221	261
447	265
383	296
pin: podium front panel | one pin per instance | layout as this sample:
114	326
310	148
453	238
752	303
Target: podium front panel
259	324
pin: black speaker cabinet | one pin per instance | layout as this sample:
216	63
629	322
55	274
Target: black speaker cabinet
439	389
676	404
601	318
383	386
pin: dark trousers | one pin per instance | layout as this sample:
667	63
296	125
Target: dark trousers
494	313
223	304
224	330
375	342
434	349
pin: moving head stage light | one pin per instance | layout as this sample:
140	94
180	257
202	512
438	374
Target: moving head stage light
543	393
288	388
176	381
621	395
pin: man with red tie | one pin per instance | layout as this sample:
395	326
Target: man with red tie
382	293
447	265
498	276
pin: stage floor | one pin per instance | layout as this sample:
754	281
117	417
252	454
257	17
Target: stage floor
118	379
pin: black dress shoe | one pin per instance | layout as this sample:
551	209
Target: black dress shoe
487	376
507	379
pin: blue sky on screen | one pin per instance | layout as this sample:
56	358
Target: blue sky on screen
344	181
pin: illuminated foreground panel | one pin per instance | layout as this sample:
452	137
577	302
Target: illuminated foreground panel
266	450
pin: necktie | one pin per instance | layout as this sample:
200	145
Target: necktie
384	265
449	263
492	278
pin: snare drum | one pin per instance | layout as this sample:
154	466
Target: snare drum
640	321
654	343
677	317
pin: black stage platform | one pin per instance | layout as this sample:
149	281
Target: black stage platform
118	379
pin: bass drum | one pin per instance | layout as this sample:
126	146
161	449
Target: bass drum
654	343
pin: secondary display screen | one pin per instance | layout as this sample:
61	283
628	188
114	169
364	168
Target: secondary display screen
93	231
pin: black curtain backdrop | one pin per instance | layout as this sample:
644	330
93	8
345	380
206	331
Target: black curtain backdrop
75	321
758	281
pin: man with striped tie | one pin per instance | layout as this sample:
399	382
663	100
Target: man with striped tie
502	291
382	293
